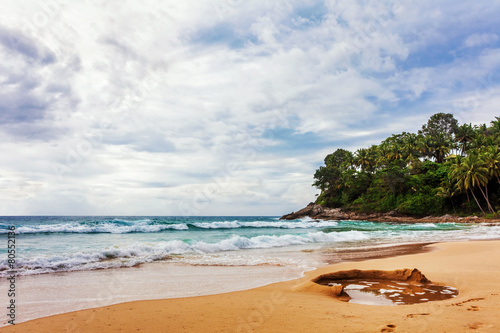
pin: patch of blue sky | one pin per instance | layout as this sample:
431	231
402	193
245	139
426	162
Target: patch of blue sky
449	48
305	16
492	79
225	34
291	141
409	103
443	56
387	113
431	56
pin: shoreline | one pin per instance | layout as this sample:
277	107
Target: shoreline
339	255
46	295
471	267
318	212
43	293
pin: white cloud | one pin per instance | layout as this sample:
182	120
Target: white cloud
480	40
140	109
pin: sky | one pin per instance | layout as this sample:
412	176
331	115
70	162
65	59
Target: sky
222	107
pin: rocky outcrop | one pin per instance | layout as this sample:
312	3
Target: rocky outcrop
311	210
316	211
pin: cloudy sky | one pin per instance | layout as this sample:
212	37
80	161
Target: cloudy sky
222	107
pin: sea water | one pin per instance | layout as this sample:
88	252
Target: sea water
70	263
52	244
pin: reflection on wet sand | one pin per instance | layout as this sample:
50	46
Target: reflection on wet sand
387	292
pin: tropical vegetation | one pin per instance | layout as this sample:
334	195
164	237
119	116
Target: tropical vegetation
444	168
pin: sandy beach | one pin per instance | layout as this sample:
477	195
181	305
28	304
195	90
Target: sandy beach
293	306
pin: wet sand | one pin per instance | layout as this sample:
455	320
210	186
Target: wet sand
331	255
48	294
471	267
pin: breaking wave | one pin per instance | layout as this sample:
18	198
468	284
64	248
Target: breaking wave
137	253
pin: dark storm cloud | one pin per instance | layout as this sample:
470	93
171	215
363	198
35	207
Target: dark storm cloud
34	84
18	44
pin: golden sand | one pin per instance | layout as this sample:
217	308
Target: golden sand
471	267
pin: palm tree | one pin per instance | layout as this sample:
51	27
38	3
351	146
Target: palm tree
469	174
448	190
456	168
385	152
482	130
485	178
441	145
491	158
425	146
362	159
489	141
477	174
393	147
373	154
396	152
495	127
410	146
478	142
464	135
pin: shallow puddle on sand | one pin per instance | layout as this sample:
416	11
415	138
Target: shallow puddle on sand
391	292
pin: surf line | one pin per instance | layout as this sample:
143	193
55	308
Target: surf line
11	254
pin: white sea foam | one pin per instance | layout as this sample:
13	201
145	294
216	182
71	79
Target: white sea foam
423	225
220	259
136	253
265	224
98	228
146	226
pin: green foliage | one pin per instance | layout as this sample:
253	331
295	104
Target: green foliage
432	174
340	159
440	123
421	203
418	174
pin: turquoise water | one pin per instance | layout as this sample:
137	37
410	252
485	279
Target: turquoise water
56	244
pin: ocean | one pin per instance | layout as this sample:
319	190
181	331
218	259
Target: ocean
66	263
52	244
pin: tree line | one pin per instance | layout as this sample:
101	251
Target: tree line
444	168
